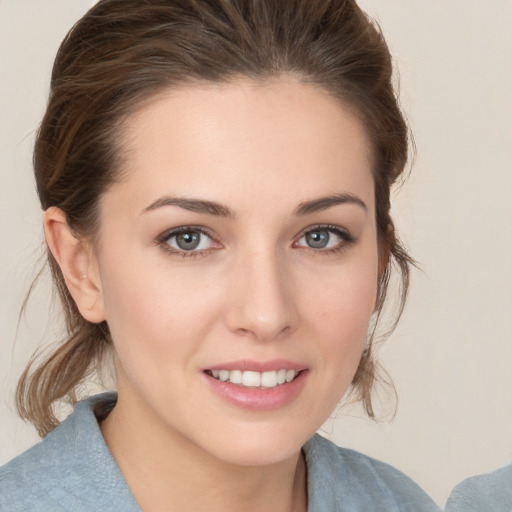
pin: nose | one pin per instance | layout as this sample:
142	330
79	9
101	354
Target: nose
261	298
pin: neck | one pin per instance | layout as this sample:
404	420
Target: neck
164	471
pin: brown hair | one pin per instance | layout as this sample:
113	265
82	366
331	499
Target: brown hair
122	53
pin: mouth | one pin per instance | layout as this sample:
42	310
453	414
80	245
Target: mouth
251	379
257	386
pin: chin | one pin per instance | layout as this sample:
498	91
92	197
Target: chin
258	447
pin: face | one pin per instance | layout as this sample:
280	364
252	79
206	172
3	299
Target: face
238	265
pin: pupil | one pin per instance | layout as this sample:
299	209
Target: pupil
188	241
317	239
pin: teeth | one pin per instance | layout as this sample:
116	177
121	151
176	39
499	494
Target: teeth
255	379
269	379
290	375
251	379
235	377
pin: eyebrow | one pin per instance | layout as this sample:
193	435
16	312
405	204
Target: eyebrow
323	203
219	210
193	205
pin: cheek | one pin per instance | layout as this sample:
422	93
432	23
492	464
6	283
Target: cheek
343	324
340	312
155	314
344	300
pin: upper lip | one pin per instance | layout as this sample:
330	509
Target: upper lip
257	366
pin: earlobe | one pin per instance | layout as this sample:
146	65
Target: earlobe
77	264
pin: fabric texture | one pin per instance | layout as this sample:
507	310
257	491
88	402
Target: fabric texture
72	469
491	492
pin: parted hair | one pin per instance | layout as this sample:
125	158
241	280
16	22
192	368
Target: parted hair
122	53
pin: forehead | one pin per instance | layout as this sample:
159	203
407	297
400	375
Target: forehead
278	140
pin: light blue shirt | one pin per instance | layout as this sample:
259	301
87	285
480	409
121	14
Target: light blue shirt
491	492
72	469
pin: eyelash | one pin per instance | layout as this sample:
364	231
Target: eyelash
163	240
344	235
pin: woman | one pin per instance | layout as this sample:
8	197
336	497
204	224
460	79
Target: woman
215	178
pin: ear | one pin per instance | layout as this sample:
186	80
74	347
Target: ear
77	263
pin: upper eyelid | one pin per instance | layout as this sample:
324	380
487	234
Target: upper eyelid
181	229
328	227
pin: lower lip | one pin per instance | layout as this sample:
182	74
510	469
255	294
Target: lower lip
257	399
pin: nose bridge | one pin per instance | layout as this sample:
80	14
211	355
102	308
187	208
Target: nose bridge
263	303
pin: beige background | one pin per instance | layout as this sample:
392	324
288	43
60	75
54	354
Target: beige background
451	357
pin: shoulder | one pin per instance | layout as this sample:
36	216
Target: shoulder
70	469
343	479
481	493
26	481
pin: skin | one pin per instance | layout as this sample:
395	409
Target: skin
255	289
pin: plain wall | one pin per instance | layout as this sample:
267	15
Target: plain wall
451	357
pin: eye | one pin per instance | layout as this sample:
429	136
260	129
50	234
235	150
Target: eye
324	238
187	239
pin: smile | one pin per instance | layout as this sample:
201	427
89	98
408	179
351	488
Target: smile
252	379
